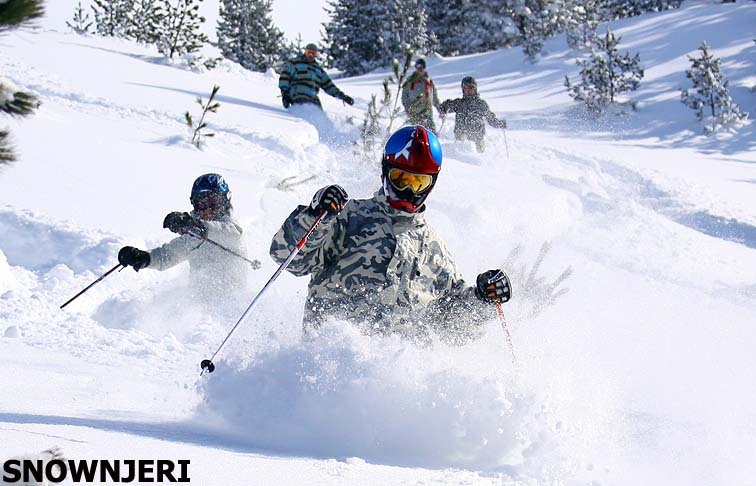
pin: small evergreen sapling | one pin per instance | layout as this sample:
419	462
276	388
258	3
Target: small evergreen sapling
605	74
81	22
710	97
210	106
372	132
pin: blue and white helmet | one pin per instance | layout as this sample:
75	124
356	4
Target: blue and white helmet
211	188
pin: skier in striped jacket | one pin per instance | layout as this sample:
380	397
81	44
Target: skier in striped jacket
303	78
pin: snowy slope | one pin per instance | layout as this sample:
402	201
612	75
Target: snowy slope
642	373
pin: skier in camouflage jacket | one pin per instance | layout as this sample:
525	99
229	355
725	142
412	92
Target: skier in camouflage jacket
377	263
302	78
472	114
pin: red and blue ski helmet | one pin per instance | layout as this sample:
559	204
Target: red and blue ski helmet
416	150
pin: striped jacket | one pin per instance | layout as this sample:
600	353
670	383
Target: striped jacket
302	80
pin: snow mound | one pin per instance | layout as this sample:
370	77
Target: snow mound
38	245
341	394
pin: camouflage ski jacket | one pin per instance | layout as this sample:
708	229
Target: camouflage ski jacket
303	80
382	269
472	115
419	95
214	272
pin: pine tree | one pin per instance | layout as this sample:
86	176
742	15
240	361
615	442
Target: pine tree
363	35
247	35
13	14
144	21
180	30
111	17
618	9
605	75
80	22
710	97
539	20
582	17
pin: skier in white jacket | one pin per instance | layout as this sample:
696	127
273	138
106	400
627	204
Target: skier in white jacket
215	272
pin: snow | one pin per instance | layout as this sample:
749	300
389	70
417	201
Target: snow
641	373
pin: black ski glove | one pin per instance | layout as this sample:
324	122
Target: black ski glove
134	257
493	286
348	100
285	99
330	199
183	223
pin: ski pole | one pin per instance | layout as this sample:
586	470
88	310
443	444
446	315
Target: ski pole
506	331
506	145
255	263
92	284
207	364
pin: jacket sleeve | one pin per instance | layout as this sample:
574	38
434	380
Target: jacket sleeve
457	315
284	81
323	247
492	119
226	233
174	252
326	84
449	106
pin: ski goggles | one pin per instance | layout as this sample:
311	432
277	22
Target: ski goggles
310	52
402	180
210	200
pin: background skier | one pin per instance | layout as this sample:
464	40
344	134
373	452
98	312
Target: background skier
215	272
419	96
302	78
472	114
379	264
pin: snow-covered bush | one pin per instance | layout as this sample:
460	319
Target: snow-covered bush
709	96
605	74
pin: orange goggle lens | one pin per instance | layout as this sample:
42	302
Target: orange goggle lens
402	180
310	52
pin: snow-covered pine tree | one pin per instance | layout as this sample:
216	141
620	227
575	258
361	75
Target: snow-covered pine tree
180	30
247	35
144	21
363	35
540	19
14	13
710	97
111	16
290	50
605	74
618	9
465	26
582	17
80	22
